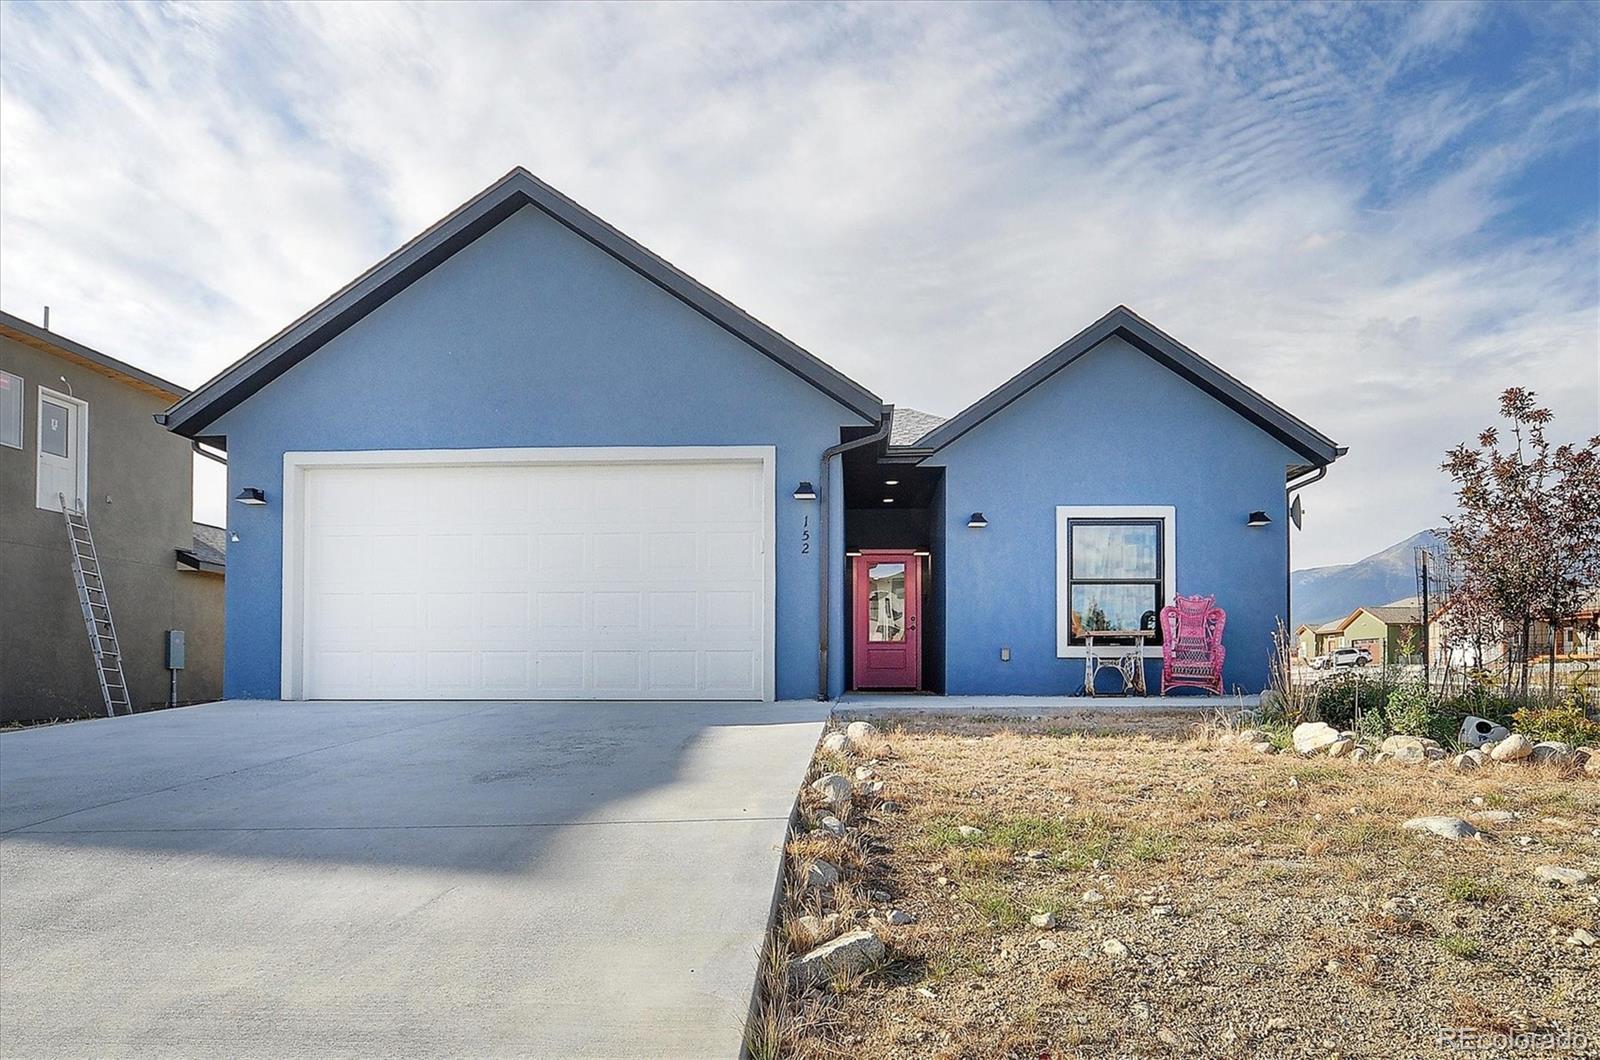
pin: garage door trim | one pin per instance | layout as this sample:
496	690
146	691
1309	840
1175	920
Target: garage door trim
296	464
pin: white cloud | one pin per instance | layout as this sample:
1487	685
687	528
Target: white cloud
927	197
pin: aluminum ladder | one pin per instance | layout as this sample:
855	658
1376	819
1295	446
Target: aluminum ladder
96	606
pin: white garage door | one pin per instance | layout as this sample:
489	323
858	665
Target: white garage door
637	580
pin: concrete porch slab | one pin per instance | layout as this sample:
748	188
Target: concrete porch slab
863	704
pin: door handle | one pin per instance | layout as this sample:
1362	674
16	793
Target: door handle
911	624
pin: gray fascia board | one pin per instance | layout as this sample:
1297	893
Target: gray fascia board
467	223
1167	351
78	349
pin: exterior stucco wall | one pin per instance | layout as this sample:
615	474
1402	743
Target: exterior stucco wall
1113	428
530	336
140	505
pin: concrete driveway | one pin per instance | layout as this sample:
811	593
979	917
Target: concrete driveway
388	879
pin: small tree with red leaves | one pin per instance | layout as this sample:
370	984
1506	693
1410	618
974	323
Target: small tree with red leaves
1526	541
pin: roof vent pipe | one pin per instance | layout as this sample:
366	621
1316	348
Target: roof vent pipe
826	576
47	318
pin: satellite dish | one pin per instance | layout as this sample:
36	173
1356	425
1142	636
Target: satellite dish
1296	512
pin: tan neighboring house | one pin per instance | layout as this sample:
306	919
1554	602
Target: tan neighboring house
78	423
1305	642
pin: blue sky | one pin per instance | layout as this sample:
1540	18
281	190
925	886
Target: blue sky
1377	215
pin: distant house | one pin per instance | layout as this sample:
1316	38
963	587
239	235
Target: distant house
1391	634
76	423
1305	642
1577	638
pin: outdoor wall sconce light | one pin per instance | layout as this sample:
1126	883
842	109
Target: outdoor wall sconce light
1258	519
891	482
888	500
977	522
251	495
805	492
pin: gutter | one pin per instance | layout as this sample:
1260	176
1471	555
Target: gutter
885	419
1289	489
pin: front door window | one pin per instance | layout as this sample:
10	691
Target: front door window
886	604
54	421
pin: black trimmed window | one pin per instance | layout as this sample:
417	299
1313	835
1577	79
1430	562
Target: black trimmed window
1116	573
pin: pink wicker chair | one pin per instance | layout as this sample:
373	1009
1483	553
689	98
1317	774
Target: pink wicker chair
1191	644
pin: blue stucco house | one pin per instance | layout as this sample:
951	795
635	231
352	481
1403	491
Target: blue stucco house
523	457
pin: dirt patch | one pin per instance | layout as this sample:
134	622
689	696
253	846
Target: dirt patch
1206	902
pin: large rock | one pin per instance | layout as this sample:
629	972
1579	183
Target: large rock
1469	761
1513	748
835	788
1561	876
820	875
858	734
1313	736
1409	749
1553	751
1339	747
834	742
848	955
1449	827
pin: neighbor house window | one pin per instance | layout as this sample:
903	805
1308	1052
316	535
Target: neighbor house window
10	410
1114	571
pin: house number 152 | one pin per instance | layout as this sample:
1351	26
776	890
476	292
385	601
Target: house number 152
805	535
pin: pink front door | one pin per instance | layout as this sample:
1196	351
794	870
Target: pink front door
888	620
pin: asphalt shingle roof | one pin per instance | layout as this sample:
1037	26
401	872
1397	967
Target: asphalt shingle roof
210	545
909	425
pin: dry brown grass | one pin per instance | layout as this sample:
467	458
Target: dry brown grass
1275	868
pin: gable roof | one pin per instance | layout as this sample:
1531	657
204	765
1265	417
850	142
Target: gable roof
209	553
488	208
1123	322
1394	616
909	425
19	330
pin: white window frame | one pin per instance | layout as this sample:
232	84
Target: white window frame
1168	516
80	441
22	410
293	662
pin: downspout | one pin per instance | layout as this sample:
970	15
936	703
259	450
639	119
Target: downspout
1288	574
885	418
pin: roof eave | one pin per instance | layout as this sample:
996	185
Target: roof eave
35	337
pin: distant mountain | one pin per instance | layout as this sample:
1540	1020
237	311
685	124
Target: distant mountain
1322	594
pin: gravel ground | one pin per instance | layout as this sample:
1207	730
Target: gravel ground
1252	905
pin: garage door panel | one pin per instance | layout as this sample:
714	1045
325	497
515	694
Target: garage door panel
394	614
639	580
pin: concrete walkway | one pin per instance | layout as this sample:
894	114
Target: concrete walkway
393	879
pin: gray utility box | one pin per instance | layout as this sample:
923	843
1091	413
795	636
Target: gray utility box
174	649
